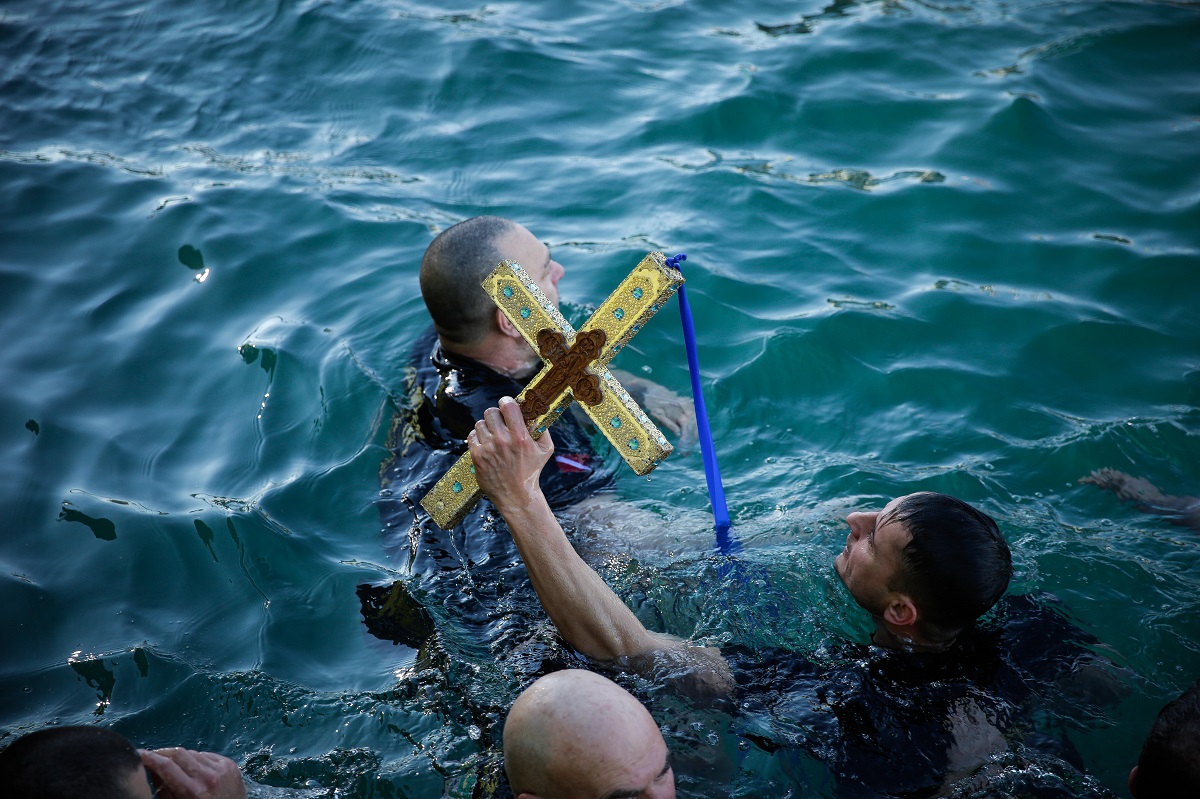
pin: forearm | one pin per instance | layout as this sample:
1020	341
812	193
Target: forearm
588	615
586	612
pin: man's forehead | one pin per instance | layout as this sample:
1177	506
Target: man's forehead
538	253
897	533
660	760
890	510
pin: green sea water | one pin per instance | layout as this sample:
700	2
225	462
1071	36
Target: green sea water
931	246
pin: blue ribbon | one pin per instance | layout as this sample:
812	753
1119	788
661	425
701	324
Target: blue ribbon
726	543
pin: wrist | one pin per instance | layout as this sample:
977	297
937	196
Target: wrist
527	499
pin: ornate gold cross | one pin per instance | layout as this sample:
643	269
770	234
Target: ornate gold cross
574	366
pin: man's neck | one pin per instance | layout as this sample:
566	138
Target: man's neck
510	358
906	640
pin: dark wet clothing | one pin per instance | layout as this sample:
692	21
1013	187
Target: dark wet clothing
864	722
464	598
885	722
470	578
855	721
445	394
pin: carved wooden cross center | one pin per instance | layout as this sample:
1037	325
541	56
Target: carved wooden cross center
569	369
575	366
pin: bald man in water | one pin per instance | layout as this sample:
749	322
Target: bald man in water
576	735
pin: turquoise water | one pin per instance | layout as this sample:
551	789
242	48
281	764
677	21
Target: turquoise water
948	247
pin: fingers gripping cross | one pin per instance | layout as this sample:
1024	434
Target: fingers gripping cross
575	366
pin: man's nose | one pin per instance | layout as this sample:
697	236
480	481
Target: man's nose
556	272
859	523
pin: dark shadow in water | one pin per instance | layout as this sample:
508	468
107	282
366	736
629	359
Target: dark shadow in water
206	537
103	529
190	257
838	8
32	426
141	661
250	354
391	613
98	676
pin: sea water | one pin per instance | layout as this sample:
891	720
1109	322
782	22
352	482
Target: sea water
931	246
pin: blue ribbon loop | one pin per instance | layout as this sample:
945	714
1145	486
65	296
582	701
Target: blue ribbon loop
726	544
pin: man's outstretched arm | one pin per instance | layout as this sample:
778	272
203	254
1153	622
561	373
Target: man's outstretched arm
589	616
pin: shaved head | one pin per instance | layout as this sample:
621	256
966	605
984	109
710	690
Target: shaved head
576	735
452	269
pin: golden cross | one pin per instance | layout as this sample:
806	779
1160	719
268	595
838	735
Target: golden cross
574	366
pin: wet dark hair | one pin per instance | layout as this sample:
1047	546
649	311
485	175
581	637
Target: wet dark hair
1170	762
68	762
451	270
957	564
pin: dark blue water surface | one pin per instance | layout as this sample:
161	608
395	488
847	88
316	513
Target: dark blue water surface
932	246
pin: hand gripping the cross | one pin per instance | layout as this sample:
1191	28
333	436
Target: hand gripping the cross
508	460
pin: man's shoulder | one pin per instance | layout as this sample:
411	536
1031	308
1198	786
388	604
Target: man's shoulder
444	394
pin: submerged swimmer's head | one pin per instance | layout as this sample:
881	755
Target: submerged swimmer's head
926	566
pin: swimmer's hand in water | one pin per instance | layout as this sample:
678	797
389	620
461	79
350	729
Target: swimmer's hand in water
1127	487
180	773
507	460
1182	511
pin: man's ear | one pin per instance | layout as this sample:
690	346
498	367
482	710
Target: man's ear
506	326
900	611
1133	782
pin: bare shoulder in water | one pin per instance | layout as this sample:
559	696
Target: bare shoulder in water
603	524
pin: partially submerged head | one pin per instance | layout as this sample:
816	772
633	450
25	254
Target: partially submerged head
926	566
458	260
1169	765
68	762
576	735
